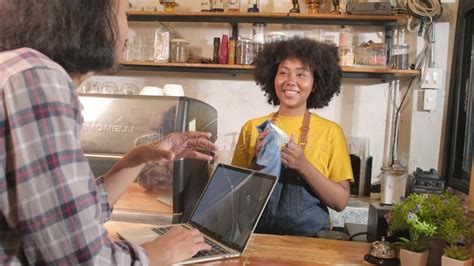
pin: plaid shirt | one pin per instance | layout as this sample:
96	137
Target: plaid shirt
52	209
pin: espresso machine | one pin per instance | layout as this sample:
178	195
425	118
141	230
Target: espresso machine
113	124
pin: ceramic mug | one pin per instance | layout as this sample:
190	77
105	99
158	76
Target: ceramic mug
152	91
173	90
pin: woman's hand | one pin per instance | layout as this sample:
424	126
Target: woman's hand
175	146
260	141
175	246
292	155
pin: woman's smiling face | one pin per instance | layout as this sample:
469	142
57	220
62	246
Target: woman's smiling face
293	84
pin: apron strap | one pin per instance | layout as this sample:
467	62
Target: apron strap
303	129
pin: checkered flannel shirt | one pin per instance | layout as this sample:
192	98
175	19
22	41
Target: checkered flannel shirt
52	208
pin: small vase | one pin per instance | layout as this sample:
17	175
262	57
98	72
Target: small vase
410	258
447	261
313	6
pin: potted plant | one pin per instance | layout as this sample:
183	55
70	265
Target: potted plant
428	216
456	255
410	215
455	229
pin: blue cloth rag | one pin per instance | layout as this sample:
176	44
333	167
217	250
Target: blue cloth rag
269	155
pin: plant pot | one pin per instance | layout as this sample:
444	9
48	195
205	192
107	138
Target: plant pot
410	258
447	261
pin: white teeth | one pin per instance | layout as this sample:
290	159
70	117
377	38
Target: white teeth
290	93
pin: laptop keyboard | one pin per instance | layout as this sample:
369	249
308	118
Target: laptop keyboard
215	249
161	230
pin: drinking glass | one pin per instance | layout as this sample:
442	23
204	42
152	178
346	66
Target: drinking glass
93	87
84	87
129	89
110	88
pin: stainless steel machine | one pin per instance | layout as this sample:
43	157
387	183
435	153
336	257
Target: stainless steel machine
115	123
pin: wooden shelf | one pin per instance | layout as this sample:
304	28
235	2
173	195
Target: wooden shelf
386	74
267	17
187	67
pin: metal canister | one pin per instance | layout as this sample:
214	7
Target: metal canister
394	183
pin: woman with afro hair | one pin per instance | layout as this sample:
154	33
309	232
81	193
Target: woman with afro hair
297	75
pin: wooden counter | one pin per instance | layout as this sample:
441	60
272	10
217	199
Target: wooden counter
137	205
137	198
284	250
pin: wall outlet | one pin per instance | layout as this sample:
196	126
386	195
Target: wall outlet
429	100
432	78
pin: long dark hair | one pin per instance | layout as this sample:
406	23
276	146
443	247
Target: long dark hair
321	58
80	35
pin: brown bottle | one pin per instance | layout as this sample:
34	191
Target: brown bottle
215	54
231	57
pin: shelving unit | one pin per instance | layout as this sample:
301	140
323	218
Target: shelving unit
236	18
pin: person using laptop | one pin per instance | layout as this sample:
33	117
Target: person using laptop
52	207
314	165
226	213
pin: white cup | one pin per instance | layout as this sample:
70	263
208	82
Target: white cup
173	90
152	91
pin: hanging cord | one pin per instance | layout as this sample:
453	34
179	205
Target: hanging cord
425	59
420	12
422	15
397	118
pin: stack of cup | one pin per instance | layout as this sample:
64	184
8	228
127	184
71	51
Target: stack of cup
173	90
151	91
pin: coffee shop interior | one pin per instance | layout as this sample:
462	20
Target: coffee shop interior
406	107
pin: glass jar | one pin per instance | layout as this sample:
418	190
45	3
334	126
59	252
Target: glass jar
206	5
234	6
377	54
258	32
399	58
179	50
218	5
346	55
346	37
257	47
275	36
316	35
244	52
361	56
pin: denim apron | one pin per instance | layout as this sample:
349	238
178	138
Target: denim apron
293	209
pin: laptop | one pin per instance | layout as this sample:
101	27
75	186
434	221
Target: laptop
226	214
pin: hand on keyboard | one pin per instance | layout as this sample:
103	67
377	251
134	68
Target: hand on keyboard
175	246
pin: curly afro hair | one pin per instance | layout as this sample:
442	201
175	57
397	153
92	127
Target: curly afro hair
321	58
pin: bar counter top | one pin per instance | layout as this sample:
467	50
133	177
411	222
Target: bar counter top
283	250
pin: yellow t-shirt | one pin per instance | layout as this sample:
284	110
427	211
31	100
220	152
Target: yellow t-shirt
326	147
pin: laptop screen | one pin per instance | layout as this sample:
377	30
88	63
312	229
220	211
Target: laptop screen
231	204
